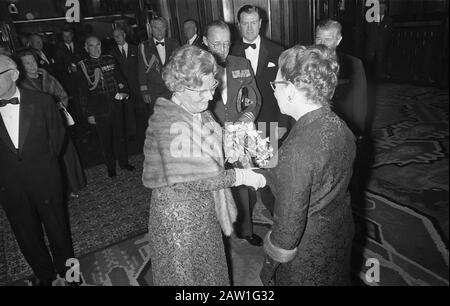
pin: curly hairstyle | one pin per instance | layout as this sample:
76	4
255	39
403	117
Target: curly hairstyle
186	68
312	69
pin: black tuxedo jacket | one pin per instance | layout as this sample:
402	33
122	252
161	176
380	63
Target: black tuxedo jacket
150	81
266	71
34	166
128	66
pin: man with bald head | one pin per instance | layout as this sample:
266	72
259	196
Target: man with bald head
107	93
31	138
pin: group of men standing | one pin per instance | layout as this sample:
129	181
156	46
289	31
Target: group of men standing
117	93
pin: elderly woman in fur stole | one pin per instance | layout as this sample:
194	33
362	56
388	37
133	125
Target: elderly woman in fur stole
40	80
184	166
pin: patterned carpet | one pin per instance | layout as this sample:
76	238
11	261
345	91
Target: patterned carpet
402	222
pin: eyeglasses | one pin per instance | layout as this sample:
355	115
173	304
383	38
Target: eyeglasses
273	84
211	90
217	45
5	71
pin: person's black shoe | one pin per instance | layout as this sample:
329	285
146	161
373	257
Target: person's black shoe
112	173
254	240
128	167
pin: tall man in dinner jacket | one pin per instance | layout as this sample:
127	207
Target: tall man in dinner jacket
154	54
263	55
31	138
236	100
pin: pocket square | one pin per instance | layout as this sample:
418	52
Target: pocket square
270	64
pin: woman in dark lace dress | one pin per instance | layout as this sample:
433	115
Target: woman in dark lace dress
310	241
191	202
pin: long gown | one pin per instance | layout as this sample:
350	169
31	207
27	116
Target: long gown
186	243
312	202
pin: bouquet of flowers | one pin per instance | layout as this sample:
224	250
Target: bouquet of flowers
244	144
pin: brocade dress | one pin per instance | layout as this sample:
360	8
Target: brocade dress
312	206
186	245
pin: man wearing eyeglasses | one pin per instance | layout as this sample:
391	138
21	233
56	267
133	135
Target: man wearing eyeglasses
31	138
237	100
153	56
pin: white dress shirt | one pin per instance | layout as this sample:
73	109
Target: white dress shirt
10	114
161	50
125	48
222	78
193	38
253	54
42	54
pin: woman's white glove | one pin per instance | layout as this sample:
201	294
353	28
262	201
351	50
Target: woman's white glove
250	178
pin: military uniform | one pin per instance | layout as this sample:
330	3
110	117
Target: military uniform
150	67
243	102
103	77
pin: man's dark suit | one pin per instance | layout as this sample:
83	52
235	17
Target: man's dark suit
30	184
269	53
378	36
350	98
239	74
135	106
198	42
150	70
72	79
49	66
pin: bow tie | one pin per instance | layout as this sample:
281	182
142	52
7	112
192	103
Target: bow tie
10	101
159	43
249	45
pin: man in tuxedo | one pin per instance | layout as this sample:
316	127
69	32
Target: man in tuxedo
68	54
190	30
44	56
378	36
263	55
237	100
153	56
31	138
126	54
107	92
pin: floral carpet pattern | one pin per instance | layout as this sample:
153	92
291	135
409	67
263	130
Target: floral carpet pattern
402	222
